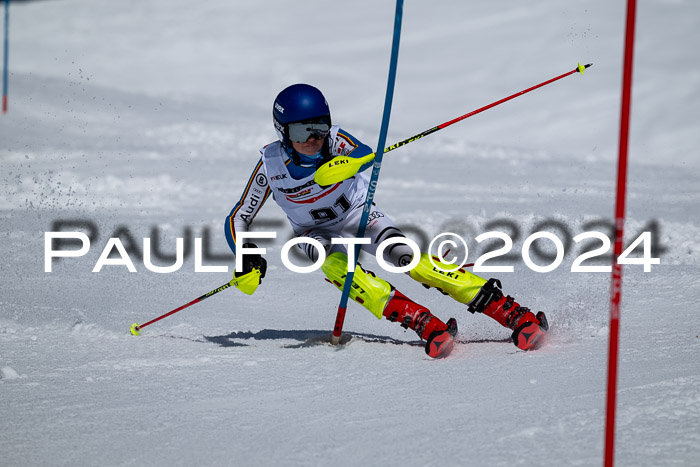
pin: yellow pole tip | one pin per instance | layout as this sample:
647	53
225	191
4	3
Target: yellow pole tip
135	329
581	68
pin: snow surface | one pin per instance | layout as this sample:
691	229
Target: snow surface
134	115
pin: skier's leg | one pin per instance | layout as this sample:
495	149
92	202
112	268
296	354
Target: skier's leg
368	290
459	284
382	299
484	297
321	236
379	228
528	328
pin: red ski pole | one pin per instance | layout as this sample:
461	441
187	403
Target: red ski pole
343	167
136	327
579	69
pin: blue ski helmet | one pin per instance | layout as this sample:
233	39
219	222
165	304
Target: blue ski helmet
299	103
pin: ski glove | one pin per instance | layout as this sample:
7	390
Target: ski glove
252	261
254	267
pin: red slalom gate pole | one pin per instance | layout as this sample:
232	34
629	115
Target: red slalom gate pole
5	55
616	281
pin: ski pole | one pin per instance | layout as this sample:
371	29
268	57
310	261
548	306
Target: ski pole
245	283
136	327
343	167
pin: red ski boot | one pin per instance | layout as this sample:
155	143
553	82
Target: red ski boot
409	314
528	328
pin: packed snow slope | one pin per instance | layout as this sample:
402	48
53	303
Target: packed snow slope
143	120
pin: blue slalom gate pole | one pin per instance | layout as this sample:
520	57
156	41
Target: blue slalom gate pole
6	52
342	307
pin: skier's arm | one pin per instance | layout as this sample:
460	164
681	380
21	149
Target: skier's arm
256	192
347	145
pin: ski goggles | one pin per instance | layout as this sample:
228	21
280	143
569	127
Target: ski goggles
301	132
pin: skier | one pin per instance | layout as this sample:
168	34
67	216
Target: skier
307	138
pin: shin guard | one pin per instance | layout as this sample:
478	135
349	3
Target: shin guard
368	290
458	284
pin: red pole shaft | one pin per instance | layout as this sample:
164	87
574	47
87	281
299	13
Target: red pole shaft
505	99
616	285
339	320
5	59
196	300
